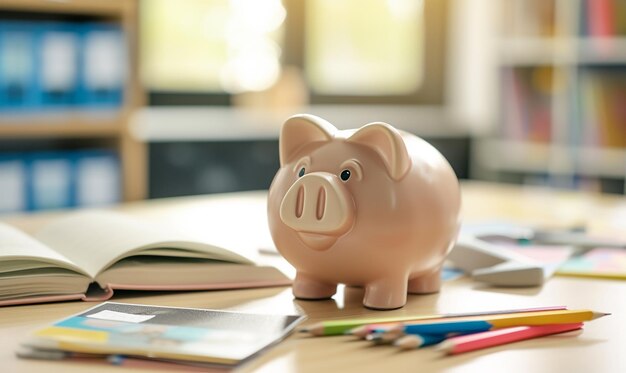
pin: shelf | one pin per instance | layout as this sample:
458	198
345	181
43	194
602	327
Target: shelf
602	50
62	125
81	7
537	51
520	156
162	124
610	162
502	155
562	51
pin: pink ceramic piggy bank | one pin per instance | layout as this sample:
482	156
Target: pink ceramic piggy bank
373	207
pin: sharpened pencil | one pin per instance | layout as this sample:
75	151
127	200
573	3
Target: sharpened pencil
498	322
472	342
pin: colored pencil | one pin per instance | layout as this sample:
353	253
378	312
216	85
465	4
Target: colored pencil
472	342
339	327
498	322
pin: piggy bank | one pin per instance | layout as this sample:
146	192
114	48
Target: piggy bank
373	207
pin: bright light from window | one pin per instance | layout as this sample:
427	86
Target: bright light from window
211	45
364	47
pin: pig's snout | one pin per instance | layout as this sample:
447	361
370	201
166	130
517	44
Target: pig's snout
318	207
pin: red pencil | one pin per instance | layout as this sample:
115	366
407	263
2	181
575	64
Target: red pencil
471	342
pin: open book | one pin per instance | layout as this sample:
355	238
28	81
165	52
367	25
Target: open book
114	251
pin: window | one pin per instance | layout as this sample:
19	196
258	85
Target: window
364	48
348	51
211	45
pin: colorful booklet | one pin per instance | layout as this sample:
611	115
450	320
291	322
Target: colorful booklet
106	251
185	335
600	262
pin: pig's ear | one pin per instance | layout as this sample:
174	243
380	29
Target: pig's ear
300	130
388	143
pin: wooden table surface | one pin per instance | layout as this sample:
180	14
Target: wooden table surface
601	347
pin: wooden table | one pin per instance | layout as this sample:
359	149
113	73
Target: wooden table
600	348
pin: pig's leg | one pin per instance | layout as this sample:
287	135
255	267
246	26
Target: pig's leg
387	293
307	287
426	283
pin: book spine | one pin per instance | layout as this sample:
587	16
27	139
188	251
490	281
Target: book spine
45	299
601	23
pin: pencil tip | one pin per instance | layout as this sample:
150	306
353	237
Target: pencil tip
597	315
444	346
408	342
359	331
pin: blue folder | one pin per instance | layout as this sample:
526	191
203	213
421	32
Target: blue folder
50	180
58	56
97	176
18	69
13	183
104	65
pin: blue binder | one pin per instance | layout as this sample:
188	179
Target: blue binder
103	65
50	180
18	70
58	54
97	176
13	183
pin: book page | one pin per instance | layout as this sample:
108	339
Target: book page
94	240
20	252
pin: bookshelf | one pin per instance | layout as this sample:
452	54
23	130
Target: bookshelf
84	128
561	117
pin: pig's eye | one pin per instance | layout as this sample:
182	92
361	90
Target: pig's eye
345	175
301	172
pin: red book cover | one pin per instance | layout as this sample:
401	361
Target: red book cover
600	21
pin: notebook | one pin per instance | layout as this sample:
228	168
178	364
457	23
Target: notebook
184	335
89	254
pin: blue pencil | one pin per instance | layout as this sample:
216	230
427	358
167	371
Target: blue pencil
470	326
495	322
440	328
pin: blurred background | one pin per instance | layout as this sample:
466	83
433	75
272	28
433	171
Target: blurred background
103	101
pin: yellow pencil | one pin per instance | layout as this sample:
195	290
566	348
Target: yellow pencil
496	322
544	318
